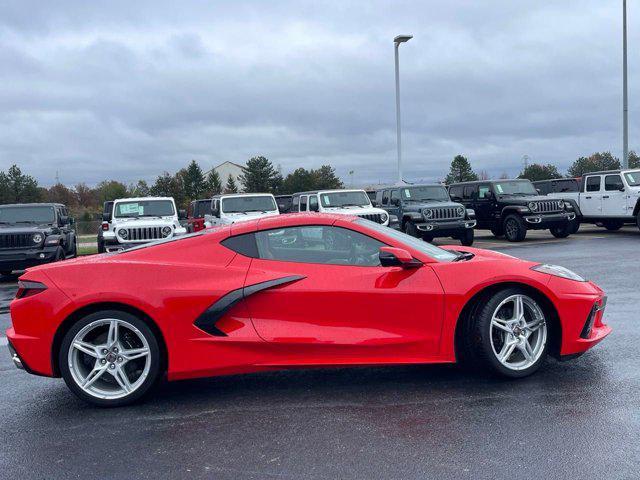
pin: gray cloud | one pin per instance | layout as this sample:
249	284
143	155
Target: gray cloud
128	89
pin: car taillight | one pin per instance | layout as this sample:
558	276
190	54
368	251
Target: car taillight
27	288
105	226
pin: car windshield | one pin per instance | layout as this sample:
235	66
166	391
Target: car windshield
33	214
144	208
358	198
633	178
202	208
412	242
261	203
515	187
434	192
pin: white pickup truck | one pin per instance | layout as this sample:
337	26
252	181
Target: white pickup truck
240	207
610	198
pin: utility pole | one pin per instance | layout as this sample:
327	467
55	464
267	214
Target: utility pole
625	100
397	41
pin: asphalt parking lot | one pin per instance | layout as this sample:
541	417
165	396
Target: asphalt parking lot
578	419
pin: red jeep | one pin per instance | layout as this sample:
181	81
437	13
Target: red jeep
195	215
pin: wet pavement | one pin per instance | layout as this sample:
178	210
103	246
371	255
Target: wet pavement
578	419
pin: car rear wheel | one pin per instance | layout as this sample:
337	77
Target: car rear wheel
515	229
6	273
467	237
110	358
509	333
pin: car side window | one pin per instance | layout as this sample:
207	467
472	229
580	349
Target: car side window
385	197
321	244
613	183
395	196
484	191
593	184
295	204
303	203
467	193
455	192
313	203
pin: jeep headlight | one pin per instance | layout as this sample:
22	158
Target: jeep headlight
123	233
533	206
383	217
428	213
166	231
558	271
561	204
37	238
460	211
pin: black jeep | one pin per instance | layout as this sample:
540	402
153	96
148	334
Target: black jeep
511	207
426	211
34	233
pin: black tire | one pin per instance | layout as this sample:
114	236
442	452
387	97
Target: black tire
411	229
153	376
613	225
101	248
6	273
59	255
638	220
74	249
497	232
561	232
477	341
467	237
574	226
515	230
427	238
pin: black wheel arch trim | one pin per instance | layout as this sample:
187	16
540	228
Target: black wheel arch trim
207	320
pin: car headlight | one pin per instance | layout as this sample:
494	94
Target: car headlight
37	238
166	231
533	206
558	271
561	204
123	233
460	211
427	213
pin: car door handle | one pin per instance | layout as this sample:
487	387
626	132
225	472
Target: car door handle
588	198
605	196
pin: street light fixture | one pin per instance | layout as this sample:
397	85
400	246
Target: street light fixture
397	41
625	100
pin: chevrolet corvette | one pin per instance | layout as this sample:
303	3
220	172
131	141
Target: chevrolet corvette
292	291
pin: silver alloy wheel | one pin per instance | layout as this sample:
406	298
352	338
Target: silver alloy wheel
518	332
109	358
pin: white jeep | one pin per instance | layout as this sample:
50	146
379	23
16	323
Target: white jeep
240	207
346	202
134	221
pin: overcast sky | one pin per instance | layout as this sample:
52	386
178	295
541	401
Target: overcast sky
125	90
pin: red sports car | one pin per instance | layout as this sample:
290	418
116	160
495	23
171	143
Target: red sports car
292	291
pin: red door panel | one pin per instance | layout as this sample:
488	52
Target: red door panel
347	314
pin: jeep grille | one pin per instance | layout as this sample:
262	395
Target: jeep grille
140	234
374	217
443	213
547	206
16	240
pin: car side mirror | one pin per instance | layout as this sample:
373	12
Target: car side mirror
374	203
182	214
621	188
397	257
395	202
72	221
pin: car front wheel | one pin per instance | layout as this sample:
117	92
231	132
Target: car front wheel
110	358
515	229
467	237
509	333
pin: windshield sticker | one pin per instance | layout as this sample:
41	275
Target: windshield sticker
326	200
499	187
130	208
407	193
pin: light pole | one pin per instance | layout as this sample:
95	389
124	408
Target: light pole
397	41
625	107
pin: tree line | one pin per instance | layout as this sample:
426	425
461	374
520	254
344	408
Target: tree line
461	170
187	184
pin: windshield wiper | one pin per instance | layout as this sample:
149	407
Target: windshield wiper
463	257
26	221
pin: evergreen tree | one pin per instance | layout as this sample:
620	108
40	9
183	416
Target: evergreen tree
300	180
231	186
594	163
634	160
460	171
213	184
15	187
325	178
259	175
536	172
193	181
